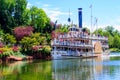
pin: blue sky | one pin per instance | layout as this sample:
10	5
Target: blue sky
106	11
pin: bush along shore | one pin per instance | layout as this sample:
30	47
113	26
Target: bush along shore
24	45
15	53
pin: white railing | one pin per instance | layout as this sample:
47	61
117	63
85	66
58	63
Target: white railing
106	46
65	43
83	36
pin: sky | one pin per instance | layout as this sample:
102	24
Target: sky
107	12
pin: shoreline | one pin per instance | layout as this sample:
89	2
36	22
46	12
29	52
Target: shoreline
27	58
114	50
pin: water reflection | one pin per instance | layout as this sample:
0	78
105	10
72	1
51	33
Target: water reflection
24	70
86	69
70	69
75	69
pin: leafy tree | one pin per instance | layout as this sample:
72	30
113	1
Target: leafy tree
107	34
111	41
62	29
38	18
13	13
112	34
48	28
116	32
20	12
6	18
116	42
98	31
109	29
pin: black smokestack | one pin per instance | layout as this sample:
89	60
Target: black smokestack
80	17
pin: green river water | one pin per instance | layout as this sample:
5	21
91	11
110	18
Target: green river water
69	69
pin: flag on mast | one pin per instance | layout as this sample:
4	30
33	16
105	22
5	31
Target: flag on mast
69	20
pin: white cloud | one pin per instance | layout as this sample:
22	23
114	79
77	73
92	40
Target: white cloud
46	5
118	20
117	27
115	23
29	5
37	3
53	12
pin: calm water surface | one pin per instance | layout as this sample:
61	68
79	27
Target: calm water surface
71	69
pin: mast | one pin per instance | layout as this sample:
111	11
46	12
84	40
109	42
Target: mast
96	24
91	17
69	19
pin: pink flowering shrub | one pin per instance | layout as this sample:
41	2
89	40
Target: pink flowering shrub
1	45
37	48
21	32
15	48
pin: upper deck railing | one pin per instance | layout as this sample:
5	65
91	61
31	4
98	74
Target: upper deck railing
75	44
81	36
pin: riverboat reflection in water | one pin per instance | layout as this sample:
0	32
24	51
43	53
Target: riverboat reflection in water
86	69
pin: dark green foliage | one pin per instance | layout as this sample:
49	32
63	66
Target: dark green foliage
20	14
13	13
110	29
6	18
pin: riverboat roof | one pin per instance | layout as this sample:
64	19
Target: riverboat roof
73	28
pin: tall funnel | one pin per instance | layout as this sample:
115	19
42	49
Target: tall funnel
80	17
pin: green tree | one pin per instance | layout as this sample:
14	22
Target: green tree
38	18
6	11
13	13
62	28
110	29
111	41
116	42
105	33
20	12
116	32
98	31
